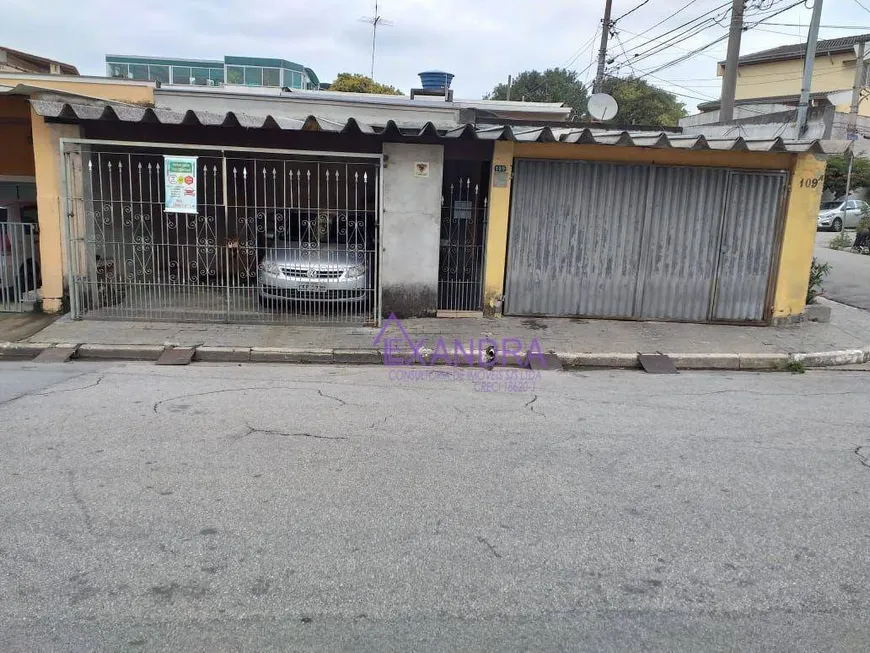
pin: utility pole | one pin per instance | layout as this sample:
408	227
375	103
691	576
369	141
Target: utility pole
509	88
806	84
602	51
729	80
857	86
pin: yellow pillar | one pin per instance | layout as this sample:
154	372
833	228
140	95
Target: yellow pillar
497	235
47	160
799	236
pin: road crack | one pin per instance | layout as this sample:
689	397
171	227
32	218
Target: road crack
864	460
489	546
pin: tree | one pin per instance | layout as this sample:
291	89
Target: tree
838	169
552	85
641	103
356	83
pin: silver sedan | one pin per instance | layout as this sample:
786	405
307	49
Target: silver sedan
313	271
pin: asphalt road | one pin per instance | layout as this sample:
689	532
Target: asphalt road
849	279
258	508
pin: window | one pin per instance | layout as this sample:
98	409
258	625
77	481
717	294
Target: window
138	71
253	76
271	77
200	76
296	80
217	76
851	204
118	70
180	75
235	75
159	74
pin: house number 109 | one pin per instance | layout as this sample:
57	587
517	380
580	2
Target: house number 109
810	183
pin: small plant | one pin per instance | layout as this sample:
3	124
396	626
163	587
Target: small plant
841	241
796	367
818	272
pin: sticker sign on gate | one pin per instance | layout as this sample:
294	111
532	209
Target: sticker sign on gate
180	183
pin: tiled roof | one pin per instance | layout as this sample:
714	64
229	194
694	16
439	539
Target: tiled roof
797	50
113	112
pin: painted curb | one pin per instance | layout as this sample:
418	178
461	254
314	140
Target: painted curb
22	350
357	356
570	360
831	358
120	352
612	360
223	354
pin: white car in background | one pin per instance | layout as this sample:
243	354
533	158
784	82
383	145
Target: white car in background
19	250
833	216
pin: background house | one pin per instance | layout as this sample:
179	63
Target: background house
240	71
14	61
768	91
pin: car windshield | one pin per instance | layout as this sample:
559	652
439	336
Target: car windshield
830	206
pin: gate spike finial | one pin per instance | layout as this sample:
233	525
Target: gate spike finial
140	166
245	172
90	166
158	168
274	173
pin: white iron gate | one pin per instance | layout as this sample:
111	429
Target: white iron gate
277	236
19	265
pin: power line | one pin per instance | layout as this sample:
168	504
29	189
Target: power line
862	6
630	11
691	54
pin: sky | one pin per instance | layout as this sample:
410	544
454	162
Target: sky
480	41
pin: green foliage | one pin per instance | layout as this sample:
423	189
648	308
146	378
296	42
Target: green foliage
838	169
356	83
796	367
864	224
552	85
641	103
818	272
841	241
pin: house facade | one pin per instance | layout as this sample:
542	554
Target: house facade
212	205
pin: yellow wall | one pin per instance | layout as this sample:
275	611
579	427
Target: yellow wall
46	153
120	91
660	156
497	230
834	73
800	225
16	153
799	236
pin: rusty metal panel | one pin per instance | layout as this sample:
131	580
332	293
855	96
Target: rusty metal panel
746	252
681	243
575	238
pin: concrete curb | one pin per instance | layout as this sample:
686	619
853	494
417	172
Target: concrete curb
120	352
570	360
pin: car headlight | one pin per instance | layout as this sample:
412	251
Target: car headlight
355	271
270	268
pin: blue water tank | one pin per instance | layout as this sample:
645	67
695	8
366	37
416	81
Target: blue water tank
435	79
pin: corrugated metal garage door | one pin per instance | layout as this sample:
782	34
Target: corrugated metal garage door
575	237
651	242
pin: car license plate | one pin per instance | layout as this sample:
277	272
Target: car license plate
310	287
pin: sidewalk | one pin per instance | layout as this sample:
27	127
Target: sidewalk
849	330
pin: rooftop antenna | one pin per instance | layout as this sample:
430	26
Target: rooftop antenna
374	21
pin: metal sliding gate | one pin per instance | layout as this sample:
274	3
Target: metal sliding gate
640	241
277	236
463	246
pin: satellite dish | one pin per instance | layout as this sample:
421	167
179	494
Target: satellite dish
602	107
